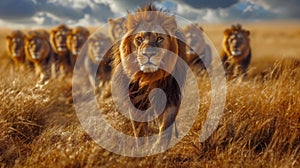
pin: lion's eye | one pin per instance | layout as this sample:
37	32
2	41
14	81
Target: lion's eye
159	39
139	39
231	39
96	44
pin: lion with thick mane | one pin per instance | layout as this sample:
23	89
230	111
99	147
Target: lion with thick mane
38	51
98	60
58	40
75	40
236	53
148	56
116	28
198	51
15	47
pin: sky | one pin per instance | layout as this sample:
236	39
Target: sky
46	13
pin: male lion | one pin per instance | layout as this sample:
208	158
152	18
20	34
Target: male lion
58	40
148	57
236	53
98	62
198	51
38	51
75	40
116	28
15	47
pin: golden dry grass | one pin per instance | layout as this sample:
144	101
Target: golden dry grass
260	126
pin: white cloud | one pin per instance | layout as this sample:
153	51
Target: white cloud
91	12
283	8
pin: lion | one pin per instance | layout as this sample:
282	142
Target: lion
38	51
98	60
198	51
75	40
148	56
15	47
236	51
58	40
116	28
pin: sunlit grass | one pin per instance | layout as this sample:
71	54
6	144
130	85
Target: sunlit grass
260	126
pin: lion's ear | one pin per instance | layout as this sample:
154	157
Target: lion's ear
247	32
52	33
227	32
8	37
110	21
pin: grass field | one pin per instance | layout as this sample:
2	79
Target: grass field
260	126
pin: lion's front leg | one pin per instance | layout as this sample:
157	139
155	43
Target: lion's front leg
53	68
139	129
240	72
39	73
43	72
166	122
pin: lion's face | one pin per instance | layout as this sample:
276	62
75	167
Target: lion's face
37	48
97	48
116	28
194	39
150	47
149	53
76	39
237	42
60	39
15	45
150	50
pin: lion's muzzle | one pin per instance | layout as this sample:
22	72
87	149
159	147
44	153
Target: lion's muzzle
149	52
149	59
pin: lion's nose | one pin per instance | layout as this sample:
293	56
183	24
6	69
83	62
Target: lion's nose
149	53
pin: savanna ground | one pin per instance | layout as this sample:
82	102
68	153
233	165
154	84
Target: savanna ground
260	126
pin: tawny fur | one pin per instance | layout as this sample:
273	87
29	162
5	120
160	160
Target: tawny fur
98	61
15	48
116	30
141	83
38	51
58	40
199	56
75	40
236	38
